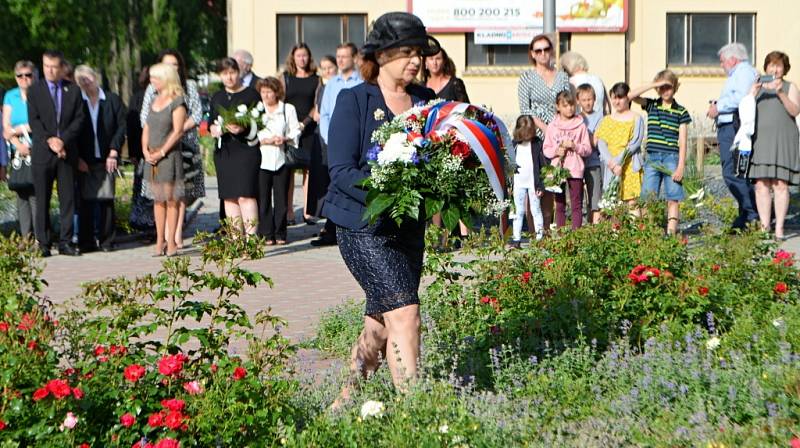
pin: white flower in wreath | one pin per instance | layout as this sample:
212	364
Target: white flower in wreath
242	108
379	114
397	149
372	409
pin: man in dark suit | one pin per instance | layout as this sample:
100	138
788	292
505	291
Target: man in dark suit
245	62
100	145
55	114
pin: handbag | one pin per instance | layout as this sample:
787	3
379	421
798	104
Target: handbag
296	158
98	184
20	173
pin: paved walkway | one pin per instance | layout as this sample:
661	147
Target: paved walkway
307	280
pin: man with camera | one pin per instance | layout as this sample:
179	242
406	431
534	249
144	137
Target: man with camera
741	75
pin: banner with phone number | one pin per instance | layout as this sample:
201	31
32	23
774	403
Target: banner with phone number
571	15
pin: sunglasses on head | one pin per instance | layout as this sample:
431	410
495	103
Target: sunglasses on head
541	50
24	75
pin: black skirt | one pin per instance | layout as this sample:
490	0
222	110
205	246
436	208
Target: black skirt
386	261
237	170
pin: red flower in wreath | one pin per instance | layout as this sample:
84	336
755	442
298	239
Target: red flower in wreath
780	288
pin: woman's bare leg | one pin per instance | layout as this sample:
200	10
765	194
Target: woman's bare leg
402	344
764	203
160	218
781	191
365	356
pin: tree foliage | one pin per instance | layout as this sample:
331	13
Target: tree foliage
115	36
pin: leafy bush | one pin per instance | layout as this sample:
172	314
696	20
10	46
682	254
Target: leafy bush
339	327
142	359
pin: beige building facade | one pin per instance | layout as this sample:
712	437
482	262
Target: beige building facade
682	35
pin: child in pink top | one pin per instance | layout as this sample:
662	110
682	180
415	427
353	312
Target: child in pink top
566	143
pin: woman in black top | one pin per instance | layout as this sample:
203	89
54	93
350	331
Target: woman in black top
238	158
300	82
439	75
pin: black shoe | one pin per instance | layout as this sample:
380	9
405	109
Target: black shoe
323	241
310	222
291	222
45	251
68	249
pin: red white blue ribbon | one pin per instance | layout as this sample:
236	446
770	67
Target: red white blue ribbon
480	138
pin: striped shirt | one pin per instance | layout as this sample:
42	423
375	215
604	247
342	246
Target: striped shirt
663	123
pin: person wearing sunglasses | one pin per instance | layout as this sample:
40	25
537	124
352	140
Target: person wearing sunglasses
537	91
16	132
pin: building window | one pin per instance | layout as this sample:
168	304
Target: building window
322	32
514	55
695	39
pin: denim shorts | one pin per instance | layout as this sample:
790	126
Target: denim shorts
651	184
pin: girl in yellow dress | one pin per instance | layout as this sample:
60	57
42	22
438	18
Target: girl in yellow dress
616	132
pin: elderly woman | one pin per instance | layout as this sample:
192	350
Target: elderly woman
100	146
578	70
281	129
384	258
775	163
17	132
537	92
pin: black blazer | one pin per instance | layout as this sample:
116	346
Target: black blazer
42	119
253	80
111	128
349	140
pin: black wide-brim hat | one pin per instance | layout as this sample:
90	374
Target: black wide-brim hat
400	29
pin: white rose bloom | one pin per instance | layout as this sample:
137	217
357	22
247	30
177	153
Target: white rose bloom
242	108
260	106
239	114
397	149
444	429
371	409
255	113
713	343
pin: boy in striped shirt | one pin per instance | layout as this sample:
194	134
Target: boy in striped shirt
667	134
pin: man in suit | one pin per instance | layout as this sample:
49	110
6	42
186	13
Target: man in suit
245	61
55	114
100	145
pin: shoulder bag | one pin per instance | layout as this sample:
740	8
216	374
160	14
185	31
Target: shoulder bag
98	184
20	174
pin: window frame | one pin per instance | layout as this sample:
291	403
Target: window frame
299	35
687	35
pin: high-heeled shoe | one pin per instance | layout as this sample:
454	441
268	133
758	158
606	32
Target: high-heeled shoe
161	253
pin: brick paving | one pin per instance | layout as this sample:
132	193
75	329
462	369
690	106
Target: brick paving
307	280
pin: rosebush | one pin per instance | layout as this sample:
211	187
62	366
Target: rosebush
148	361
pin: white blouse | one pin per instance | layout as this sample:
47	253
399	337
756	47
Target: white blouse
280	122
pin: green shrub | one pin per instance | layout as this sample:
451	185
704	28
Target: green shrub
339	327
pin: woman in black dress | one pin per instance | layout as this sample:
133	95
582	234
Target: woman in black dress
237	158
384	258
300	83
439	75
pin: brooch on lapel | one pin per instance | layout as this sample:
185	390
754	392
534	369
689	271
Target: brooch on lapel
66	89
379	114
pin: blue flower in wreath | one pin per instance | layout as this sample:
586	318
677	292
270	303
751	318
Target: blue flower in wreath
372	153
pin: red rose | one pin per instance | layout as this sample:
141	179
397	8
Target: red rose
526	277
425	112
460	149
173	404
412	118
118	350
213	368
127	420
485	299
193	388
780	288
77	393
715	268
171	364
156	420
3	327
239	373
702	290
59	388
174	420
32	345
2	425
84	445
548	262
99	350
26	323
133	372
69	372
40	394
138	444
167	443
795	442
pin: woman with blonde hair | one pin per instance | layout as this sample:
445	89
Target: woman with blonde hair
161	151
578	70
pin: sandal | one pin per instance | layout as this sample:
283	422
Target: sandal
270	242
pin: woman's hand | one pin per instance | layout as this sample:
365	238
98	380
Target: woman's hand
279	140
215	131
539	193
234	128
23	150
561	151
617	170
775	84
